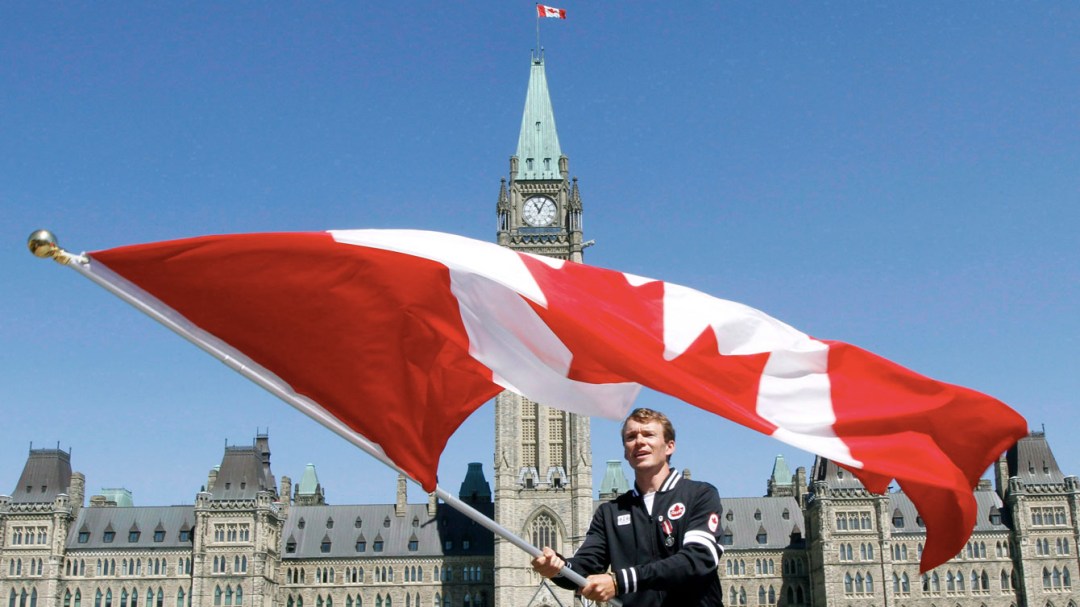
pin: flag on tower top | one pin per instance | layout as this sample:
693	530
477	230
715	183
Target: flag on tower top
550	11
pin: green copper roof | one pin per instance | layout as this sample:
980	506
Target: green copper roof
614	479
781	475
538	145
309	482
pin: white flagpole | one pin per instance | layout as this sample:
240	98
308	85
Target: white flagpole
43	244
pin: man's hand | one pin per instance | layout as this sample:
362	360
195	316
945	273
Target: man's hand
599	587
548	564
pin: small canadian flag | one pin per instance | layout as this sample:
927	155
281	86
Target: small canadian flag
550	11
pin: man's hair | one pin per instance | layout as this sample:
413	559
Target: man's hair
643	416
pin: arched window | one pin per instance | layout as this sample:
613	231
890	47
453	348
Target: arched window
905	585
1004	580
179	597
869	583
134	597
217	596
544	531
761	595
1046	579
78	598
67	598
772	595
849	584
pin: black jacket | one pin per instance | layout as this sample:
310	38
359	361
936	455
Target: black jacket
669	558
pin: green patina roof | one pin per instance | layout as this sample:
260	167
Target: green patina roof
781	474
538	142
614	479
309	482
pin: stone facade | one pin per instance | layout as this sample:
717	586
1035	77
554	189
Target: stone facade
242	543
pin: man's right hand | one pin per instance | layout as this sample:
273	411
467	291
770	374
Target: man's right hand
548	564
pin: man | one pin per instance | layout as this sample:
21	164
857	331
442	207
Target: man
659	539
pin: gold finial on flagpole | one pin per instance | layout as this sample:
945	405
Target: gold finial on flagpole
42	243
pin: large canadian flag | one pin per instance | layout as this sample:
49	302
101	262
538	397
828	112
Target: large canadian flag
402	334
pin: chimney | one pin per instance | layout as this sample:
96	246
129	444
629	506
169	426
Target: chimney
402	495
432	504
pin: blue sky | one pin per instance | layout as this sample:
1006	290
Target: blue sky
904	177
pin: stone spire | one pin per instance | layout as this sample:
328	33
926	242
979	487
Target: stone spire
538	151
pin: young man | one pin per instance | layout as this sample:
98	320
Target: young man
659	539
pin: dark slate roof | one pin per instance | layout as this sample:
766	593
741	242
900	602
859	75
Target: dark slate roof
124	520
750	515
47	473
431	533
242	474
837	477
1032	461
475	487
988	502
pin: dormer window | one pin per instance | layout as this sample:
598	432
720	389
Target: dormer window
358	522
84	537
386	522
757	515
108	537
528	164
133	536
330	523
786	515
300	524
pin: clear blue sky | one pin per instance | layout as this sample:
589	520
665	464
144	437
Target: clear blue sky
901	176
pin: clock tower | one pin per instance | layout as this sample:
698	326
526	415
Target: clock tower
543	456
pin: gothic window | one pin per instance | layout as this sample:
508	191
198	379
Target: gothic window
859	588
160	598
849	584
865	521
78	598
544	531
1046	578
772	595
984	582
869	583
1065	578
1004	581
217	595
67	598
134	598
108	598
935	582
905	584
960	582
841	521
179	597
761	595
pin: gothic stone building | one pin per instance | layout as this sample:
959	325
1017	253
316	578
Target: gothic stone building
817	541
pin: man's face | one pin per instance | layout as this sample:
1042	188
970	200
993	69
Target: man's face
644	446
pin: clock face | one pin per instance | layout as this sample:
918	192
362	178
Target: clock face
538	211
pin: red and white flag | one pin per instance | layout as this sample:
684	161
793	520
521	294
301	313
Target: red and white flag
550	11
402	334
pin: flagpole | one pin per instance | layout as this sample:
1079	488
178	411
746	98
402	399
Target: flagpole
538	29
43	244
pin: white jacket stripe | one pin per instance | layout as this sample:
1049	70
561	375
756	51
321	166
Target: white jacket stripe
696	536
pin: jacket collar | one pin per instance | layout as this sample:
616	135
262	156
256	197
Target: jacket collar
669	483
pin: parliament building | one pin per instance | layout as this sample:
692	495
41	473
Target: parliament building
248	540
